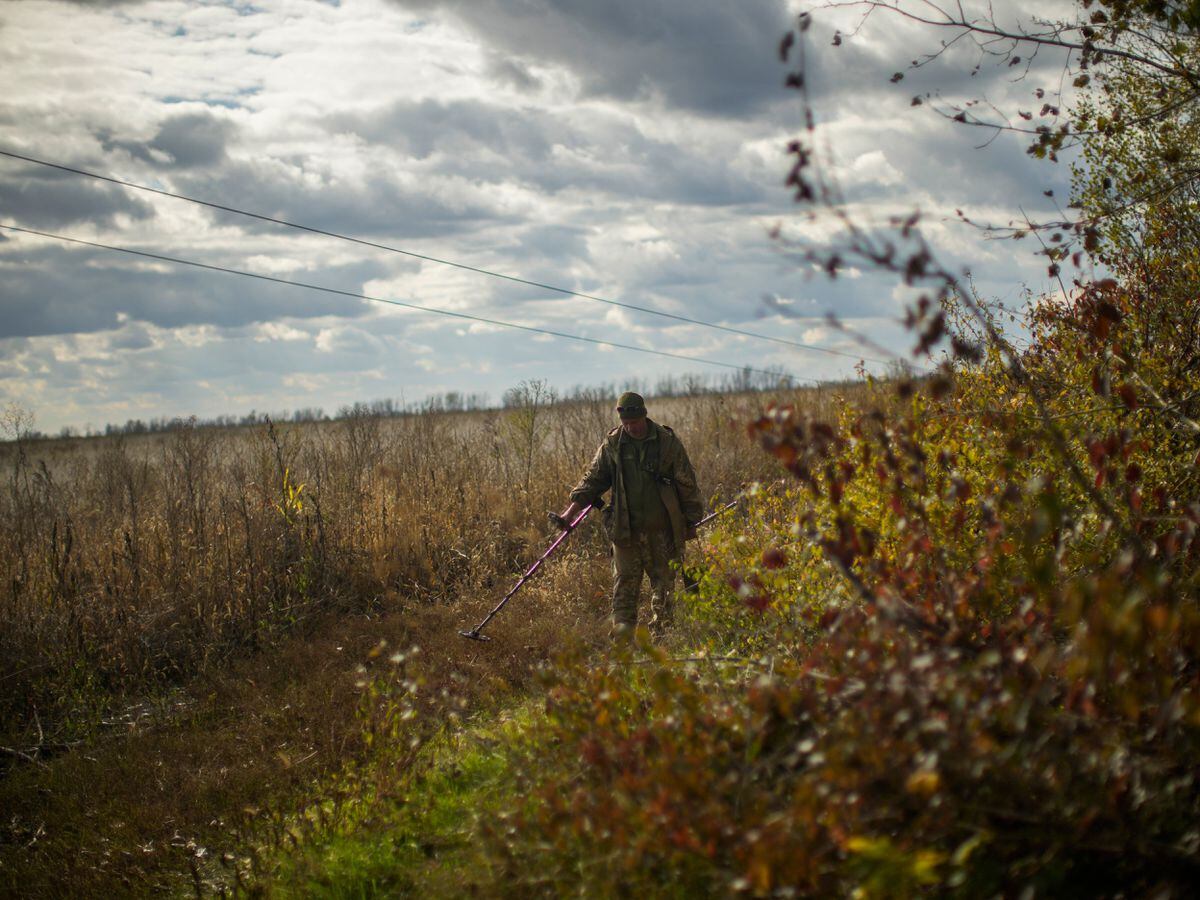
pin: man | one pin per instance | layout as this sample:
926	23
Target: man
655	505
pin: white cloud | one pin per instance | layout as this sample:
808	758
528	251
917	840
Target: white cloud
279	331
635	151
302	381
873	167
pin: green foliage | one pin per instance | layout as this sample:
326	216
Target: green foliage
760	584
413	828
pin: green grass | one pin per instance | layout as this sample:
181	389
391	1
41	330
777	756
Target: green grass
429	841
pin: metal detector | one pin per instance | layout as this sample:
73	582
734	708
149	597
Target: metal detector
474	634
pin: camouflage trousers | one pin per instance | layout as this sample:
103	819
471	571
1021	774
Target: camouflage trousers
648	554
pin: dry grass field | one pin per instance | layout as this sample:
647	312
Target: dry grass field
184	612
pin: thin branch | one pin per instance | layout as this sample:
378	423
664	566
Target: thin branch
1053	37
22	755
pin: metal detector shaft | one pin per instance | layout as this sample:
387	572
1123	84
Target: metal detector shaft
726	508
713	515
474	633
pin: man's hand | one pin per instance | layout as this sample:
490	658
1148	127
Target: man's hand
690	534
564	519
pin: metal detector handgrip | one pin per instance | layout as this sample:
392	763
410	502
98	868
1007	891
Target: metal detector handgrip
474	634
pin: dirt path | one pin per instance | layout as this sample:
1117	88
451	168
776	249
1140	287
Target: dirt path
145	806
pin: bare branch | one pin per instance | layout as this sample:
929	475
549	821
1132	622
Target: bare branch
1053	36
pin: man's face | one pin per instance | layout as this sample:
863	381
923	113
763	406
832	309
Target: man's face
635	428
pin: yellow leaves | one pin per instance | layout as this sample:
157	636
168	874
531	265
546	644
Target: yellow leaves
867	846
293	497
759	876
963	853
925	864
983	744
923	783
892	866
292	502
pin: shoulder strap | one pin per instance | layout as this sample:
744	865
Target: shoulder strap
670	441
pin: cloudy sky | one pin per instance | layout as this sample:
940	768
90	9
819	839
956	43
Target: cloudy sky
631	149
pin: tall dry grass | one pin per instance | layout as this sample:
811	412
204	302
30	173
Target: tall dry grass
131	563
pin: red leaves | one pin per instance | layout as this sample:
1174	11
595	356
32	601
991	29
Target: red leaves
835	488
1100	316
785	46
798	445
757	602
593	752
940	386
916	267
1104	454
750	591
797	178
966	350
774	558
786	454
1158	617
1129	396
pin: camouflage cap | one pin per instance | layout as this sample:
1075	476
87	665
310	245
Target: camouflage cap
631	406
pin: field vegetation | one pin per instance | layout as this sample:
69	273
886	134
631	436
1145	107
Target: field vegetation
955	654
947	646
186	611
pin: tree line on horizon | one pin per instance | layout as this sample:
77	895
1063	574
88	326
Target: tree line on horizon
18	422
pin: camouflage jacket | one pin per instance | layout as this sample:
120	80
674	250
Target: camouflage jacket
676	484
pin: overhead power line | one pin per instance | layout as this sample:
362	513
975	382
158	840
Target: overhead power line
444	262
415	306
